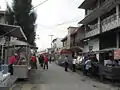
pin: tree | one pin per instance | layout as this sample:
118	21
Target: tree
21	14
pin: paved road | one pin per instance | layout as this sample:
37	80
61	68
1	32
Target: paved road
56	79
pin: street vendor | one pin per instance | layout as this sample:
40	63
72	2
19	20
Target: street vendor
12	61
111	61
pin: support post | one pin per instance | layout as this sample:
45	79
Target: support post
117	40
117	13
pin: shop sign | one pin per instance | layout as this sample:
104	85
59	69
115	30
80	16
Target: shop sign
117	54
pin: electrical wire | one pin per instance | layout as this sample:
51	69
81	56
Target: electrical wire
39	4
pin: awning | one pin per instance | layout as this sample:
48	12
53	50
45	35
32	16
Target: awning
99	11
66	51
12	30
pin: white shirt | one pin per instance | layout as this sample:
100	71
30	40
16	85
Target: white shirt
74	61
88	64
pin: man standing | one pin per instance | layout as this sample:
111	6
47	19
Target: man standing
66	63
45	61
41	60
12	61
74	64
34	62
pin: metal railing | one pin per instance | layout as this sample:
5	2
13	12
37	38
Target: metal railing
109	19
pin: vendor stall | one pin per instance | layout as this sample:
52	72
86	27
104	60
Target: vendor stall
109	63
6	31
23	50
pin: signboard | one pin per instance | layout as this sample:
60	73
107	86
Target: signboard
117	54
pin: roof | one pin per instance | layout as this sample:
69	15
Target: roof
71	27
54	40
86	4
12	30
77	29
65	38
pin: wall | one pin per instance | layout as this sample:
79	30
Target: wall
94	43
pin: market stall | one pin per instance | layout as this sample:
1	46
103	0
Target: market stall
6	32
109	63
109	66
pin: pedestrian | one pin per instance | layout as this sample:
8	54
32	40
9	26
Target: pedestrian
66	63
12	61
34	62
45	61
50	59
74	64
87	66
41	60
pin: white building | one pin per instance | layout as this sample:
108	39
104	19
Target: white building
57	44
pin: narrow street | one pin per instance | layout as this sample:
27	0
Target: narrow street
56	79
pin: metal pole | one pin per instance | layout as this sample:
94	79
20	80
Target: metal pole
2	52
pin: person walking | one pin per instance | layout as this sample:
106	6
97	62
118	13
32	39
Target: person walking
41	60
66	63
34	62
12	61
45	61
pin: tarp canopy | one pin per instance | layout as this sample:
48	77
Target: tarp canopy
11	30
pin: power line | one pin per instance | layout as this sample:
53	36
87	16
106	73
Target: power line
39	4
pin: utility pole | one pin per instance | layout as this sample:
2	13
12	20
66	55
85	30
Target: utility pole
51	39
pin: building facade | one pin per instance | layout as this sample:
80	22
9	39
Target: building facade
102	24
73	41
3	17
57	44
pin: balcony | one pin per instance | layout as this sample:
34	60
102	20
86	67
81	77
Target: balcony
94	31
109	23
105	7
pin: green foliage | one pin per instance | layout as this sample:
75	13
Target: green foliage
21	14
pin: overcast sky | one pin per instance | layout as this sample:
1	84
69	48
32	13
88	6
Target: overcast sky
53	18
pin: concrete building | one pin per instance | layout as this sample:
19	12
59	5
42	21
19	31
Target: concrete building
76	36
65	41
102	24
57	44
73	40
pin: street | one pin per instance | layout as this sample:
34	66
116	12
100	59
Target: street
55	78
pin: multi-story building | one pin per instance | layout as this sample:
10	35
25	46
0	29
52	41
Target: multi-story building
76	36
102	24
73	40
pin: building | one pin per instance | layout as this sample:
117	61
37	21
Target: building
73	41
7	33
64	41
76	36
57	44
102	24
3	17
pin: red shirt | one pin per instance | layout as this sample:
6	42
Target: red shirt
12	60
33	58
45	59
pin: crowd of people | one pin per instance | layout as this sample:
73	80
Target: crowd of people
43	61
